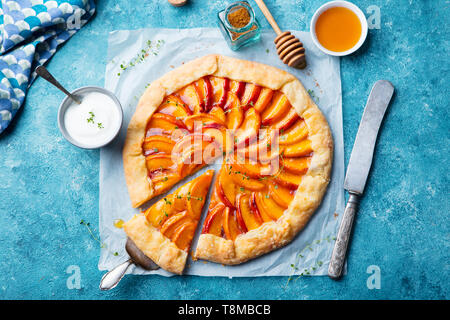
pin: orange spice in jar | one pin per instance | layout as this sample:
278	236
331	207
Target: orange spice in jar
239	25
239	18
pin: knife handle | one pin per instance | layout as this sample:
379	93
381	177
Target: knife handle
343	237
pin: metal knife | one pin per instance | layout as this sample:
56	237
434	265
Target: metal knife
359	167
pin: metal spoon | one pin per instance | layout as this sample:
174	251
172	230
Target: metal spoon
43	72
112	278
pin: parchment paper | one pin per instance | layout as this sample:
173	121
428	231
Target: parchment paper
310	251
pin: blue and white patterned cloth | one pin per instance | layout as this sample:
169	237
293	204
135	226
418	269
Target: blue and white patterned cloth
30	33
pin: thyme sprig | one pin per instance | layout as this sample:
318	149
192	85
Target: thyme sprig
188	197
244	176
91	118
309	247
102	245
141	56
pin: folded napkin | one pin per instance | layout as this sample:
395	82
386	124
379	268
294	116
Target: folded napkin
30	33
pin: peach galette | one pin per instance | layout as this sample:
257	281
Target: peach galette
164	231
275	143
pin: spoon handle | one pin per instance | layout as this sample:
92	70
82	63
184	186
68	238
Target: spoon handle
112	278
44	73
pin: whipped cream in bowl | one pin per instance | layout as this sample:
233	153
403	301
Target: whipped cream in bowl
95	122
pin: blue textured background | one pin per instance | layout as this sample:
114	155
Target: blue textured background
47	186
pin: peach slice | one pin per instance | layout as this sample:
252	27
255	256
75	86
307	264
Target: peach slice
197	193
220	88
297	165
297	132
264	99
179	202
251	220
158	162
249	128
230	225
163	124
202	120
287	179
214	198
213	221
278	108
157	144
171	223
287	121
185	169
262	150
237	87
157	214
234	112
240	221
174	106
163	181
218	113
250	95
204	90
189	95
187	142
225	189
281	195
242	180
175	123
252	168
183	235
253	204
299	149
223	140
187	165
268	206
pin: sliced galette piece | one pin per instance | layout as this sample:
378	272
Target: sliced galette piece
164	231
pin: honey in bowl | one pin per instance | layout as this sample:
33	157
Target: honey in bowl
338	29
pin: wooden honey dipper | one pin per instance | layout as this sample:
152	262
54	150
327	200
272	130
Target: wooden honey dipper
289	48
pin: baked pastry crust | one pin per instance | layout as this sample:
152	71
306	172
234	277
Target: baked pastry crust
155	245
270	235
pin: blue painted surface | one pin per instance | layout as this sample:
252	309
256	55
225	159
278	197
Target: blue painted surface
47	186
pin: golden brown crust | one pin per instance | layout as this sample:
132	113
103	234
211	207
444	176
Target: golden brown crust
155	245
309	194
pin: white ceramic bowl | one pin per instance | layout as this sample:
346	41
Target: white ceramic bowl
67	102
347	5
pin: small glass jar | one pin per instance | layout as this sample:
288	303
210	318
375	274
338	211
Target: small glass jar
239	37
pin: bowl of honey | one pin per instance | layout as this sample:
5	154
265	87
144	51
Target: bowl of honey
338	28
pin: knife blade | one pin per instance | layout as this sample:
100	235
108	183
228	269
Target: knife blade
362	152
359	167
